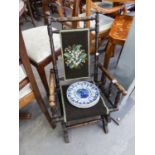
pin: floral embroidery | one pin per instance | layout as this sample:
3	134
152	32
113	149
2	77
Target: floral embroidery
75	57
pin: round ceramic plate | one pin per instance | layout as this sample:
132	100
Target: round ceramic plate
83	94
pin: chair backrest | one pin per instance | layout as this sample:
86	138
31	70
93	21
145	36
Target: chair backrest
75	53
75	47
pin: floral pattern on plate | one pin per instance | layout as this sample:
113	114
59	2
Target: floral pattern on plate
83	94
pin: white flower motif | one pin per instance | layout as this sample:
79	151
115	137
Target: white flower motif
75	56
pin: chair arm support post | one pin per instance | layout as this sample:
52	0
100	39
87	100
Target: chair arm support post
103	80
110	89
96	47
54	57
52	99
52	94
117	99
114	81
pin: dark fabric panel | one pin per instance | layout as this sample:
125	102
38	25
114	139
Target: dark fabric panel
74	113
79	38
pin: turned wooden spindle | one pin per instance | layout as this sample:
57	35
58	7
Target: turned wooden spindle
103	80
110	89
96	47
114	81
117	99
52	100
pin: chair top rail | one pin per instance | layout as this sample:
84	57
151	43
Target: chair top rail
71	19
58	31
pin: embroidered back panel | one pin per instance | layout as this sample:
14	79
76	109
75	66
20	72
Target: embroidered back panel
75	53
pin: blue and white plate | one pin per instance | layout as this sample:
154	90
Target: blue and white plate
83	94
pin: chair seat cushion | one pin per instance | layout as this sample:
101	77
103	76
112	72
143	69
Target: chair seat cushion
27	89
72	113
37	43
105	22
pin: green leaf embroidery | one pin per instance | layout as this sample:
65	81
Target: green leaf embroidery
67	55
74	56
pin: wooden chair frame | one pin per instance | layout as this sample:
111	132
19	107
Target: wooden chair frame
30	78
55	101
47	4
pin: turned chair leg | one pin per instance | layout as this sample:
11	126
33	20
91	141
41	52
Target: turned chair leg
65	130
105	124
42	74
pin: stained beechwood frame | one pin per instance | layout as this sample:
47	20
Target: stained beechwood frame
62	110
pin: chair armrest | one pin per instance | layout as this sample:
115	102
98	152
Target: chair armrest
107	10
52	98
113	80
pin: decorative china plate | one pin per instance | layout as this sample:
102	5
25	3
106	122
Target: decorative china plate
83	94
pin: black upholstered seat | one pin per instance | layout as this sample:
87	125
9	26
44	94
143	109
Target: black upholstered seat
72	113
